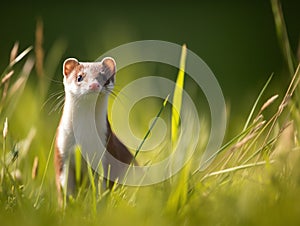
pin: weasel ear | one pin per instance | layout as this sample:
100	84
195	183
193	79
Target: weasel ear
109	66
69	65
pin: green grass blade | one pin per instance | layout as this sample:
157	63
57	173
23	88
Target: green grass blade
178	196
93	187
177	97
151	127
36	203
256	102
77	157
283	35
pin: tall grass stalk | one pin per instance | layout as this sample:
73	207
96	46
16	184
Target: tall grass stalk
151	127
177	97
283	36
178	196
256	102
36	203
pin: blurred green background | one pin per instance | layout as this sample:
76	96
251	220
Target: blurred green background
237	39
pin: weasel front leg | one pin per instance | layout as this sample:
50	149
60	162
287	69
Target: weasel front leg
65	176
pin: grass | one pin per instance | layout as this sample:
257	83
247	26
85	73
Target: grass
254	179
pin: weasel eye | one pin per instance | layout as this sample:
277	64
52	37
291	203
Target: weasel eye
79	78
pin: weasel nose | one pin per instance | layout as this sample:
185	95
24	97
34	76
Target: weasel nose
94	86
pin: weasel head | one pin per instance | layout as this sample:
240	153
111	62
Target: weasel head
82	78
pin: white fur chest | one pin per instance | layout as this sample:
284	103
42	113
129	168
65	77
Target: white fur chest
83	123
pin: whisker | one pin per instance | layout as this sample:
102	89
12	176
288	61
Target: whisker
120	93
54	101
113	94
61	107
55	95
58	105
54	80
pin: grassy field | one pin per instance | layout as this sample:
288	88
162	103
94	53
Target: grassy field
254	179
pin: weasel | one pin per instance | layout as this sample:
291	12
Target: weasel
85	83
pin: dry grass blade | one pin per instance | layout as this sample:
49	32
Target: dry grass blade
295	81
16	89
268	103
243	141
21	56
13	53
7	77
267	144
289	93
22	79
15	60
236	168
4	95
39	52
35	166
237	138
5	128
